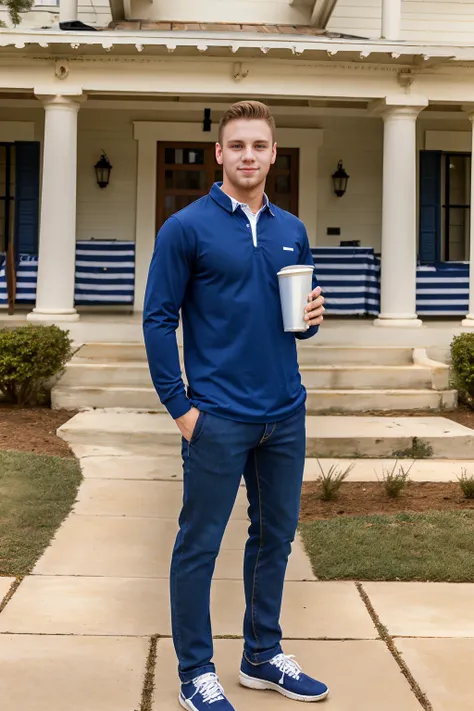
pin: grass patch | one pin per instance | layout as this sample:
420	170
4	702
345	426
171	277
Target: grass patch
434	546
36	494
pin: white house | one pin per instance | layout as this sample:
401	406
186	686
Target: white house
385	86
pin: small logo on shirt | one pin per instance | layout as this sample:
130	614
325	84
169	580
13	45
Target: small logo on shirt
289	249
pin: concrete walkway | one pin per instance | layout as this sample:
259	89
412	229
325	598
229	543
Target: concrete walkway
89	629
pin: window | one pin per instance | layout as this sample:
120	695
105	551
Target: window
186	172
455	218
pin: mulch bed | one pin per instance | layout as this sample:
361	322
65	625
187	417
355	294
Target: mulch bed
33	429
366	498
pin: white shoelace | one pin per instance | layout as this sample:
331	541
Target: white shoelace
208	686
287	665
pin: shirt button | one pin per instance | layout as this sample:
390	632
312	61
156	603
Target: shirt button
248	225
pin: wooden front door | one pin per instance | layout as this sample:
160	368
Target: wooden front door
187	171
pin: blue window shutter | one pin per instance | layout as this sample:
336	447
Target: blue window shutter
430	207
27	190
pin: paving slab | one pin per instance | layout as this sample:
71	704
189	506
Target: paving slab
310	610
424	609
361	675
110	546
170	468
230	564
5	585
114	546
443	669
436	470
137	467
45	673
88	606
155	499
140	606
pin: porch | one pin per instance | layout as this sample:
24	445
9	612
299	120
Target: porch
396	246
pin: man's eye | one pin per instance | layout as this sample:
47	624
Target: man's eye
261	145
236	145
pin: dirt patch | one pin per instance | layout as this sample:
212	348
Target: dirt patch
365	498
33	429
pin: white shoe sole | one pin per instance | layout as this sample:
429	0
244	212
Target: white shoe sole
186	704
259	685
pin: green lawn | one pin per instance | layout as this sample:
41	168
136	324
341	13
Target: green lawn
36	494
435	546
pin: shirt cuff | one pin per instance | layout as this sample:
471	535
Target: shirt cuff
178	406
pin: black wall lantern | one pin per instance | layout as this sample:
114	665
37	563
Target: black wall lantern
207	121
339	179
102	171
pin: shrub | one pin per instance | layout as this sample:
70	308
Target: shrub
395	480
462	357
466	482
29	356
332	480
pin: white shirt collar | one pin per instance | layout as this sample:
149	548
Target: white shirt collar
236	203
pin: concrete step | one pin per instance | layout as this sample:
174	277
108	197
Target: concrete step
141	433
354	355
334	401
362	377
318	401
111	352
80	397
307	354
339	377
126	374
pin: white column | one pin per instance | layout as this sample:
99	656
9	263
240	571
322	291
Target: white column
57	242
469	320
145	229
399	234
67	10
391	19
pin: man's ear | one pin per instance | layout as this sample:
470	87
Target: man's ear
219	154
274	153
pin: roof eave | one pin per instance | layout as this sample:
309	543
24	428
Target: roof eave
297	44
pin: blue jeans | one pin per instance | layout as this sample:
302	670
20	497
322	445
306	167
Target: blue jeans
271	458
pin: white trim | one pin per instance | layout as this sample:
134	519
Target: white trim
204	40
148	133
11	131
456	141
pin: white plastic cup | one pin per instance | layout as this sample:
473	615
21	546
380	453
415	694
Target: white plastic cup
296	283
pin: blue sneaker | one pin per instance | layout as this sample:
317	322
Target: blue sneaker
284	675
204	693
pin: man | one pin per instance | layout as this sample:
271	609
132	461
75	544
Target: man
244	409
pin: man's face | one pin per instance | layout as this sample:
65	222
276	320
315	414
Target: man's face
247	152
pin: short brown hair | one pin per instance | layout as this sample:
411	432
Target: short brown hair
247	110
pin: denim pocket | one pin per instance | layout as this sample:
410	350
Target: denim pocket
198	427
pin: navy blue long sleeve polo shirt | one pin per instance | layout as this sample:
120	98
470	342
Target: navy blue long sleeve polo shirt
239	362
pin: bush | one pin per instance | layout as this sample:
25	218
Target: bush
395	480
462	356
466	482
29	356
332	480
